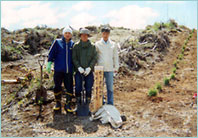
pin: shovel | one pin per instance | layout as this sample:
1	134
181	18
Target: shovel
41	94
83	107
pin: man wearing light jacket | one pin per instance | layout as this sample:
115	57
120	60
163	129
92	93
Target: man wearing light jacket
108	58
84	57
60	53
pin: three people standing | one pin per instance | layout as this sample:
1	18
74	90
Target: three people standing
81	59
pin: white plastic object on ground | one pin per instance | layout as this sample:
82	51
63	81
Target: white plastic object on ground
108	114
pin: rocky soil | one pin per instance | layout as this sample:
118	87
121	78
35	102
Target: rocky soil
146	57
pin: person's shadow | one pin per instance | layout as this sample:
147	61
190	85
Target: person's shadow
67	122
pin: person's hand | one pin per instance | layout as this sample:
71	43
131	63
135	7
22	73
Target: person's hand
87	71
81	70
49	64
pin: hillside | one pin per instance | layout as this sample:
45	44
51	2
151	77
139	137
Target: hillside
147	57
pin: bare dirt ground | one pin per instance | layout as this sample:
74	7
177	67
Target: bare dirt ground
169	114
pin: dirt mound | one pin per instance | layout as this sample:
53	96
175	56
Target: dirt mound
25	41
37	40
143	51
160	40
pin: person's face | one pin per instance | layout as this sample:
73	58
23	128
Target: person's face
84	37
67	35
105	35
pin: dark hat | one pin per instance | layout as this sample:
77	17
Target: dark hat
105	29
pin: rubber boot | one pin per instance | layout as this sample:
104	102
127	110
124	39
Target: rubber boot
67	107
57	107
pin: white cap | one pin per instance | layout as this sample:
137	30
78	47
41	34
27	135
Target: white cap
67	29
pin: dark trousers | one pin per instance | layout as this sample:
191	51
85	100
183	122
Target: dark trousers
88	83
60	77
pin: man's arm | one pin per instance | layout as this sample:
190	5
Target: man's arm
52	52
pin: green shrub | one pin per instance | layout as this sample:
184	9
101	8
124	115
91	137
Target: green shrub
156	26
186	41
152	92
190	36
193	30
171	24
174	70
180	57
158	86
182	51
172	76
175	64
166	81
184	47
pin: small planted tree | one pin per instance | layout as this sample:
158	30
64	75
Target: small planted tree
190	36
186	41
159	87
152	92
175	64
166	81
184	47
182	51
174	70
172	76
180	57
193	30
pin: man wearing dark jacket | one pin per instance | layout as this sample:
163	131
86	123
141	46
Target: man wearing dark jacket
60	53
84	57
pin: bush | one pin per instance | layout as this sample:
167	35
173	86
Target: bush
184	47
190	36
166	81
171	24
158	86
156	26
186	41
180	57
175	64
174	70
172	76
182	51
152	92
193	30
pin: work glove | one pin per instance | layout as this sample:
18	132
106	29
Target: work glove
87	71
49	64
81	70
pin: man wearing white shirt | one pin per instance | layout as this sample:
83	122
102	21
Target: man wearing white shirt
108	58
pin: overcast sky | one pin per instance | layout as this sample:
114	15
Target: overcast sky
130	14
